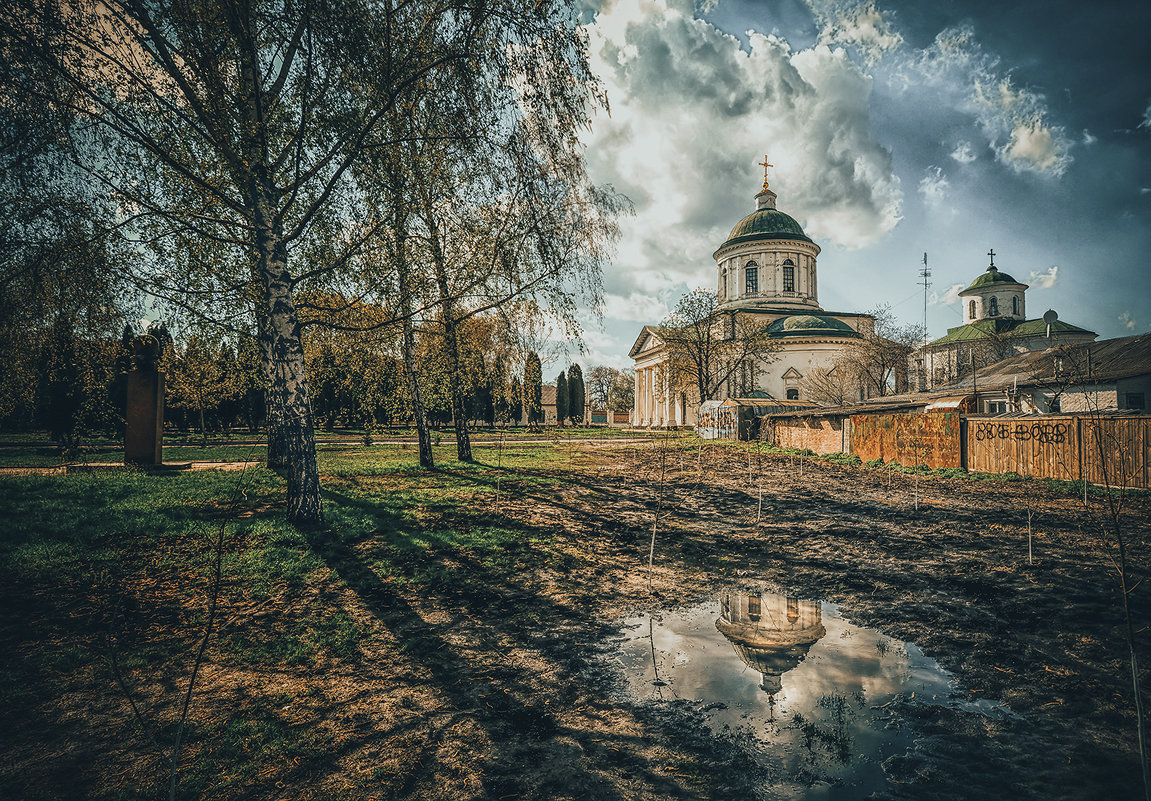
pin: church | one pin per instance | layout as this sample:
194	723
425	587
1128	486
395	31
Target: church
767	269
995	327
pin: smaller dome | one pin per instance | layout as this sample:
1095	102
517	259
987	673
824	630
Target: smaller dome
990	278
798	325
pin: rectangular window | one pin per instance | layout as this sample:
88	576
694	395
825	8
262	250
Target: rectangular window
788	279
1136	400
996	407
752	280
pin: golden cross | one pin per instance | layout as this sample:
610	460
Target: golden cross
765	165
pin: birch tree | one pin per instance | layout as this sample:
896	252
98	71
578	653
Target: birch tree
706	348
227	133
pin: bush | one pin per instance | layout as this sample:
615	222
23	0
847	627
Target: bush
874	462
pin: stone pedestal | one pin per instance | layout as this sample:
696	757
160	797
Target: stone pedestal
144	413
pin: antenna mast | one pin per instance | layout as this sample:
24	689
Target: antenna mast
925	274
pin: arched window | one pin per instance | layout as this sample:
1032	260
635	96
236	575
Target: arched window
788	275
1015	304
793	394
994	308
971	310
751	278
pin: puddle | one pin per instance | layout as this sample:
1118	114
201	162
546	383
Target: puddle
821	695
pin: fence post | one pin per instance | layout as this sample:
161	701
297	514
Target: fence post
962	440
1082	455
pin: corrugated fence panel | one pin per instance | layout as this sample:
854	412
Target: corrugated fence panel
930	439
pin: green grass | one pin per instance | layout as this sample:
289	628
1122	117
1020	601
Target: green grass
130	553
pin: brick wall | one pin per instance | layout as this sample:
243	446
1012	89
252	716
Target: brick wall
819	434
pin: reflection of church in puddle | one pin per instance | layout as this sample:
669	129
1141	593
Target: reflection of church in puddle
771	633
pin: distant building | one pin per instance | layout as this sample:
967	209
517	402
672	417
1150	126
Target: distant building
1111	374
995	327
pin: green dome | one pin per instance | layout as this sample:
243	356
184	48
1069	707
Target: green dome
765	224
992	277
800	325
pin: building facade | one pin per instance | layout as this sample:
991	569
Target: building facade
766	269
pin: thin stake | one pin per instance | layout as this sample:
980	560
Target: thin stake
1029	561
658	509
759	514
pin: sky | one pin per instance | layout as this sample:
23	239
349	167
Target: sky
896	128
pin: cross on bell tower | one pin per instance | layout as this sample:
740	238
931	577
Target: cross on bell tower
991	253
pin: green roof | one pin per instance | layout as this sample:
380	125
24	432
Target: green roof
1005	326
765	224
810	325
991	277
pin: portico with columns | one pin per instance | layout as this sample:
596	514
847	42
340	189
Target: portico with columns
656	405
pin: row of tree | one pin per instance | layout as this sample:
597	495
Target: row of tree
269	169
74	388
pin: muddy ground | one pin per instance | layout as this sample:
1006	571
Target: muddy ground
491	684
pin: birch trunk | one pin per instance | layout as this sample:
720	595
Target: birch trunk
427	460
451	342
291	437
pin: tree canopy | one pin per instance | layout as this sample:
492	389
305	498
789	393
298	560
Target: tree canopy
707	349
235	140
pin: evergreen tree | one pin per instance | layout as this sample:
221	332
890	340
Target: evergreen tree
576	394
515	400
533	388
561	398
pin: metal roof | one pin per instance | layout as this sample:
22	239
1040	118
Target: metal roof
1069	365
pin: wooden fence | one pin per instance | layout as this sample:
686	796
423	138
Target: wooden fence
1115	451
1110	450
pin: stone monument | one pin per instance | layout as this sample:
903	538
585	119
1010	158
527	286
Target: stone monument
144	409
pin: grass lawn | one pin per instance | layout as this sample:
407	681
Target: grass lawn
107	573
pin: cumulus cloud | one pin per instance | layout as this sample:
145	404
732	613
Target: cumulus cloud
636	307
1146	123
693	111
950	296
855	23
963	153
1089	138
1014	119
1044	280
933	186
1127	320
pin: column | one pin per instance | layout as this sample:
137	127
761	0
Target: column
650	396
639	407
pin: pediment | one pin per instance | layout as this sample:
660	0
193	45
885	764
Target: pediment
646	341
792	374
